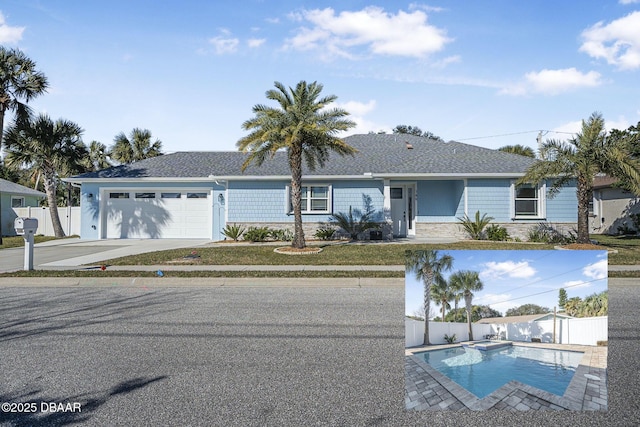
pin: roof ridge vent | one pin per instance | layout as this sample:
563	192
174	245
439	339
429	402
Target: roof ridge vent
408	144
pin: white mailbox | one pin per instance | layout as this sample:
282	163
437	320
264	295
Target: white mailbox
25	226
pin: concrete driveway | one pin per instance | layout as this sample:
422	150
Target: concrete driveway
74	252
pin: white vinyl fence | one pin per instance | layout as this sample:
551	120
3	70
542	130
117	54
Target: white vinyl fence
414	331
583	331
69	218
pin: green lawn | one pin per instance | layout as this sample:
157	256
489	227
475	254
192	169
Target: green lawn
229	274
628	248
18	241
332	254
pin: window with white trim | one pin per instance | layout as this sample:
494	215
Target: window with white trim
17	202
315	199
528	201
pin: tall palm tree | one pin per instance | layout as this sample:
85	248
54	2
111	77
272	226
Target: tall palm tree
19	80
304	127
441	293
456	292
136	147
53	148
590	152
469	282
98	156
518	149
428	267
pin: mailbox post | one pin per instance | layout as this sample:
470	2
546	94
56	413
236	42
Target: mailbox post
26	227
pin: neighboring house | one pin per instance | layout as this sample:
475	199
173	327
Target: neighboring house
418	187
522	319
612	207
14	195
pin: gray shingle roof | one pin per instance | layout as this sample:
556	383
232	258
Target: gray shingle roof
9	187
377	153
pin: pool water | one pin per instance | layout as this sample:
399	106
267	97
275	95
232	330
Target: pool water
483	372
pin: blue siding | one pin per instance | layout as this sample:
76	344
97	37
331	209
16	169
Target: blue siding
265	201
440	201
563	207
491	197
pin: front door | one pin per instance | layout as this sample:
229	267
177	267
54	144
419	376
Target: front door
399	211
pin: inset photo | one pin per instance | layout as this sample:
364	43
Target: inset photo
506	330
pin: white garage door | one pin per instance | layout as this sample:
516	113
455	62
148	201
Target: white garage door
157	214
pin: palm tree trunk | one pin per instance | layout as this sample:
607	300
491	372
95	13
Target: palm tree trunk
50	189
467	300
428	280
3	108
582	189
295	161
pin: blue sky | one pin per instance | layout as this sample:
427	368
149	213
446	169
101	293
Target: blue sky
514	278
190	71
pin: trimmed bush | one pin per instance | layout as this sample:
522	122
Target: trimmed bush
497	233
325	232
257	234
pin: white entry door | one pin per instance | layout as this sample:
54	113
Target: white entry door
399	211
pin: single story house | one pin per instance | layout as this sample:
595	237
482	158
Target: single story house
613	208
522	319
529	327
14	195
417	186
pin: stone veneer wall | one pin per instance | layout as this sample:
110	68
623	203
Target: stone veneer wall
423	230
310	228
455	230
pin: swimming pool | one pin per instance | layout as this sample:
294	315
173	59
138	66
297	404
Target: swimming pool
483	372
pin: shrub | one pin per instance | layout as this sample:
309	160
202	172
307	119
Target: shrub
233	231
325	232
450	339
475	229
547	233
281	235
257	234
356	221
497	233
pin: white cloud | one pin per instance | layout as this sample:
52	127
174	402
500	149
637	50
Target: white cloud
382	33
9	34
597	270
224	45
495	302
253	43
629	1
575	284
514	270
357	112
553	82
617	42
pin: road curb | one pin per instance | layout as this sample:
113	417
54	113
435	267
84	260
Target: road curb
159	282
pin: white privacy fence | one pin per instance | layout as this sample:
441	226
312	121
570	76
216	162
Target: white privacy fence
583	331
69	218
414	331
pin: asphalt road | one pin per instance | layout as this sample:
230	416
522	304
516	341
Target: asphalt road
247	356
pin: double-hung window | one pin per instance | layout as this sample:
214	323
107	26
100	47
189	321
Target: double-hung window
528	201
315	199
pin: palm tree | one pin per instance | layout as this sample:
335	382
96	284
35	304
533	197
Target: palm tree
572	306
98	156
53	148
581	158
518	149
304	127
441	293
19	80
135	148
468	282
428	267
456	292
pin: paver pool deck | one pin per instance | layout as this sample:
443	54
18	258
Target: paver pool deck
428	389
